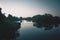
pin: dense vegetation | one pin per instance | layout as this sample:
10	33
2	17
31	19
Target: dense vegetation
8	27
47	21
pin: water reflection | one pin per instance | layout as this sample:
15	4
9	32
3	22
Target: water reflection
30	32
46	27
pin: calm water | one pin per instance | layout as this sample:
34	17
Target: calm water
30	32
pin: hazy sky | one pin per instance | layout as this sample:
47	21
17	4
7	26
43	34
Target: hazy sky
29	8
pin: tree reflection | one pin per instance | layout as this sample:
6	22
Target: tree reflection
46	21
46	27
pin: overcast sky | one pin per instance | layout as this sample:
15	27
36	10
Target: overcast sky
29	8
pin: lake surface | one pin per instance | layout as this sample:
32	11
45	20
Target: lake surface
30	32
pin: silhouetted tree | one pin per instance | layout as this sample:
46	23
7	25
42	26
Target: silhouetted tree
7	28
46	20
13	18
